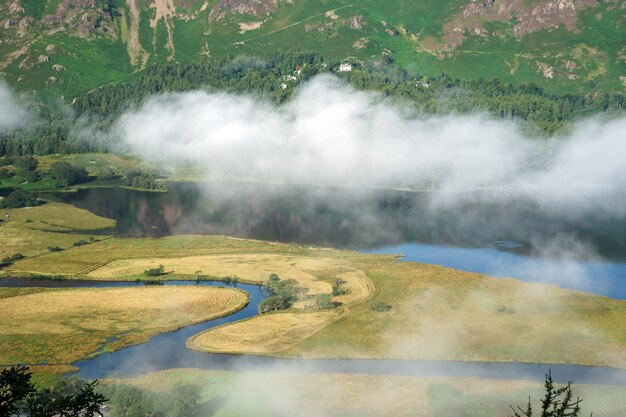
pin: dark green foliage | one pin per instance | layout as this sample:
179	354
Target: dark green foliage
185	401
338	288
19	199
230	280
143	180
54	249
15	388
70	398
8	260
5	174
262	75
557	402
106	173
380	306
324	302
155	272
128	401
14	257
26	163
273	303
282	294
67	174
80	243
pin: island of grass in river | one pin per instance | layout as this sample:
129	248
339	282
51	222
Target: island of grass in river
434	312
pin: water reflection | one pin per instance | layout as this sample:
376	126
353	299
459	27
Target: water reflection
346	217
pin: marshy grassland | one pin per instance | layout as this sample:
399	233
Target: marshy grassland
272	393
61	326
392	309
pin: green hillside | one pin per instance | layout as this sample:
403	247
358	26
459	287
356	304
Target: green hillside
73	46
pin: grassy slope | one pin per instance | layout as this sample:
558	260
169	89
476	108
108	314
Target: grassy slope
102	59
30	231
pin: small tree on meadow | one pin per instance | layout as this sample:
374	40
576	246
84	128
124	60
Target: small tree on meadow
557	402
324	302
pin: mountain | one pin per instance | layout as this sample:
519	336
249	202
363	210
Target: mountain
73	46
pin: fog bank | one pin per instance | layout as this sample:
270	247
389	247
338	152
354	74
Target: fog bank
12	115
332	134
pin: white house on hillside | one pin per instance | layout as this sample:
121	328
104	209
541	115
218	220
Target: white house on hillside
345	67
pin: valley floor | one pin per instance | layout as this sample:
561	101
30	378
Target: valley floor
430	312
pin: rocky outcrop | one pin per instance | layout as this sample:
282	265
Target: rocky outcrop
357	22
530	19
257	8
82	16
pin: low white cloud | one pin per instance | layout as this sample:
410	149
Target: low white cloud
331	134
12	115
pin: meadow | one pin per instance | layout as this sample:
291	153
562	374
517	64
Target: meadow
393	309
61	326
32	230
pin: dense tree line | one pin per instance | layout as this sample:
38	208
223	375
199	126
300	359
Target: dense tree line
57	131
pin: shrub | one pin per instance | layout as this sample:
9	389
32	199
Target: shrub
54	249
80	243
5	174
155	272
138	179
230	280
324	302
105	173
14	257
273	303
153	282
26	163
338	288
19	199
282	294
8	260
380	306
67	174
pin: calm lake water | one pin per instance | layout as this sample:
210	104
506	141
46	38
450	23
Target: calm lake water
348	217
496	238
600	277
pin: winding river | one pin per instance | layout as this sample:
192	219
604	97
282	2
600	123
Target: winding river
168	351
391	222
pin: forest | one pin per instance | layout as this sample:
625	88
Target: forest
79	127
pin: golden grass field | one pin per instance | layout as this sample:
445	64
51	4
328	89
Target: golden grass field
60	326
255	268
315	394
266	334
271	333
436	313
32	230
